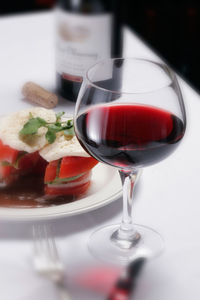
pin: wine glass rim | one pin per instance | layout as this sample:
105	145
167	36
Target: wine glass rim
162	65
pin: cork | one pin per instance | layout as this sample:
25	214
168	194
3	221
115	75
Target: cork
38	95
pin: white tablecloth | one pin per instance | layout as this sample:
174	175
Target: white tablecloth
167	196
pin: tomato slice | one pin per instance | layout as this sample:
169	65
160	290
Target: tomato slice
61	172
7	153
40	166
5	171
70	166
70	181
74	165
27	162
75	191
21	163
51	170
72	187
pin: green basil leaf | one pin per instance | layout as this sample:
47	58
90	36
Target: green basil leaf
50	136
69	132
6	163
59	115
55	127
32	126
64	180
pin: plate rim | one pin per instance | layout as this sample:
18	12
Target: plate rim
31	214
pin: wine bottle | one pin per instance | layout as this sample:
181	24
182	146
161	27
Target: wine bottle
86	31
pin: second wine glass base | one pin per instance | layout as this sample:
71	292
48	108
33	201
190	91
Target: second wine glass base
101	246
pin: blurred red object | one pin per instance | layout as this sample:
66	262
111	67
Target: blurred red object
100	278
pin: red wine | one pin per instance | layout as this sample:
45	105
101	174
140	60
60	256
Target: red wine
87	31
125	135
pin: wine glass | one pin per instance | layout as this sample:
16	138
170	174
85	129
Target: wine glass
129	114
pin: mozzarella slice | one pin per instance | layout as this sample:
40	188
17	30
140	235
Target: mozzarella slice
63	147
11	125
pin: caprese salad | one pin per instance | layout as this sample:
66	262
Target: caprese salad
38	141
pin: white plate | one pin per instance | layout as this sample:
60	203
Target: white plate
105	188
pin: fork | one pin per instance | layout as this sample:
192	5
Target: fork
46	259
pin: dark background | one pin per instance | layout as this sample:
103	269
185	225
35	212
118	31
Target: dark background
21	6
170	27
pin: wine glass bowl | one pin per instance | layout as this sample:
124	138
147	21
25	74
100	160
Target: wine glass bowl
129	114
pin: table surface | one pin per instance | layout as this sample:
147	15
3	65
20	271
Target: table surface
167	196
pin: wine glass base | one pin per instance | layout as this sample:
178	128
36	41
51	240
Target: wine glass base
149	245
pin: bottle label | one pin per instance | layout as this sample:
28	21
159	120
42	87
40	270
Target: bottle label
81	41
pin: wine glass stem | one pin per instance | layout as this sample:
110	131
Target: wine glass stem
126	236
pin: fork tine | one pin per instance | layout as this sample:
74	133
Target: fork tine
36	239
44	242
40	240
50	242
46	258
